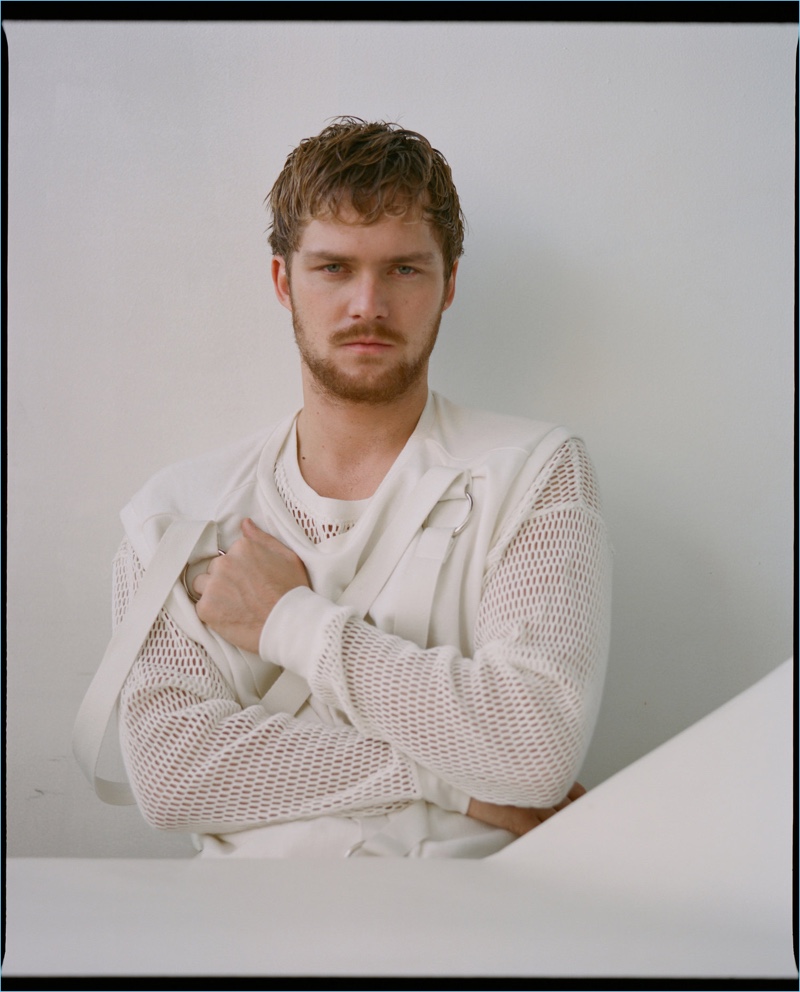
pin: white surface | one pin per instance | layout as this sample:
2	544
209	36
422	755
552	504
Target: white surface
678	866
629	271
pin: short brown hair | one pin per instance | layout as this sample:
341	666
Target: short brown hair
378	168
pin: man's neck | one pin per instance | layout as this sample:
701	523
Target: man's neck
345	449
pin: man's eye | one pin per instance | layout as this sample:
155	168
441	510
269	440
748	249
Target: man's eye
333	268
406	270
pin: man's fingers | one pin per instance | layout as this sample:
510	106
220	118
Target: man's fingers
199	584
254	532
200	581
574	793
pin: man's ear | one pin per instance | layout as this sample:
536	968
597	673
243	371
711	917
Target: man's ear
280	280
450	288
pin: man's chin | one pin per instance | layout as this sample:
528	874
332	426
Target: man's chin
364	388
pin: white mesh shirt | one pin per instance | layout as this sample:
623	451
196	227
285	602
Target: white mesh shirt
509	725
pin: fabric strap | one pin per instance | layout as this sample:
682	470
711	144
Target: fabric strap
98	704
289	692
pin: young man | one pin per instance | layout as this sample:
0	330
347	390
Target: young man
401	650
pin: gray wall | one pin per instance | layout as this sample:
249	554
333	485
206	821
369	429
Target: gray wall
629	271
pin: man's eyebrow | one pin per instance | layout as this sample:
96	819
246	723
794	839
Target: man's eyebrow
420	257
417	257
324	256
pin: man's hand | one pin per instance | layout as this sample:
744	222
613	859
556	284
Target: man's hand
239	590
519	820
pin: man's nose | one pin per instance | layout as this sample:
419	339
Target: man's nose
369	300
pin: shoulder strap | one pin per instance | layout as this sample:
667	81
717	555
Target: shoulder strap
288	692
98	705
396	537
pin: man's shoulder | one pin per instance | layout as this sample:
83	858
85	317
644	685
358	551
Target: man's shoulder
194	486
468	432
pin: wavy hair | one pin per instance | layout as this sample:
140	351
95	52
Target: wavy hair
377	168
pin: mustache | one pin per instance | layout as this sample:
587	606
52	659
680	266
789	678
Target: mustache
373	332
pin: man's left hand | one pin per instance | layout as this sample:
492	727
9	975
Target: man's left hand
240	589
518	819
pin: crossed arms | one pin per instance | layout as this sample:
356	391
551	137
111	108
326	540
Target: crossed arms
498	736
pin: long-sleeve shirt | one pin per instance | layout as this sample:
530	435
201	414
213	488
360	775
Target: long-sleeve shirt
508	725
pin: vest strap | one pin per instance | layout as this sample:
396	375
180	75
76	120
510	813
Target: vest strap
98	704
289	692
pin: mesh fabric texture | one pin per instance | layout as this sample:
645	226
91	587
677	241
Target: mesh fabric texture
509	726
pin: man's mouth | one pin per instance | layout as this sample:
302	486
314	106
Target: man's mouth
367	342
368	346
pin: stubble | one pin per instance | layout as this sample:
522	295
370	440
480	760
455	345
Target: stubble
369	382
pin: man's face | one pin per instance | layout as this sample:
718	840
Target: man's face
366	302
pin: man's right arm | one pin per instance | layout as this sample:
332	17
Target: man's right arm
198	760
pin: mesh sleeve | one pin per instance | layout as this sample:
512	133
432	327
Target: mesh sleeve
510	725
199	761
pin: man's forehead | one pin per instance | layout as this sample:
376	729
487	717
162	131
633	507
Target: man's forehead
410	226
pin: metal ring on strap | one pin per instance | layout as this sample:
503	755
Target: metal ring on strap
463	524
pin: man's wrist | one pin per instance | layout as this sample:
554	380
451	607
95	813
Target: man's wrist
296	630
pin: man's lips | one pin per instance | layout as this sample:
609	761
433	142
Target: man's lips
367	346
366	338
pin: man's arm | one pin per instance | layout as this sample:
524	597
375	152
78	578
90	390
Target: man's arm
198	760
189	747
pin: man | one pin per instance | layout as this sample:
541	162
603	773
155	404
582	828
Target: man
449	681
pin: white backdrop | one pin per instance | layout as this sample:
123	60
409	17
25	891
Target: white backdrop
629	271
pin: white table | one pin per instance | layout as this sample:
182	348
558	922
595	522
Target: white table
680	865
